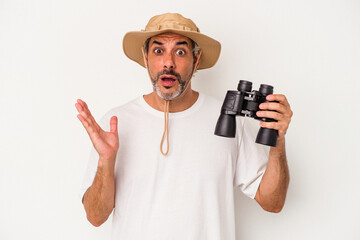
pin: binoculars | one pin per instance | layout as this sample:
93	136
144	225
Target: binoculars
245	102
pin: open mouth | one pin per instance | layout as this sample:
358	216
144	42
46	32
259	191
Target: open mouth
168	80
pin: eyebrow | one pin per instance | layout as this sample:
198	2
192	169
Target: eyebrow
158	43
178	43
182	43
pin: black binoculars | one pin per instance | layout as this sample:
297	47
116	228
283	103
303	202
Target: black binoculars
245	102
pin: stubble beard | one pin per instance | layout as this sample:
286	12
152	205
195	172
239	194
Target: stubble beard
169	96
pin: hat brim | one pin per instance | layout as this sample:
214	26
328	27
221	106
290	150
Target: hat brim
134	41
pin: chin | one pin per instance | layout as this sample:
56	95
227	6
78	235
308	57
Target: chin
168	96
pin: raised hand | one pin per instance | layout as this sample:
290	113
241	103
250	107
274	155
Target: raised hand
105	143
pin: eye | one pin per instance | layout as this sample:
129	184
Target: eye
180	52
158	51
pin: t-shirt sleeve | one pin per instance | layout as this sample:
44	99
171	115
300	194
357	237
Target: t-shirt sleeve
252	157
92	165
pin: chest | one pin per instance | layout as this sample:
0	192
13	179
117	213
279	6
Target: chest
195	153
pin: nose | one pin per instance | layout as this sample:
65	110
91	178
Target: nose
169	62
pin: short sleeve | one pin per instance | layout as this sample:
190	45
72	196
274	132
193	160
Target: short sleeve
252	157
92	165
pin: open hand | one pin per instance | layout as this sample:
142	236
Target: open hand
105	143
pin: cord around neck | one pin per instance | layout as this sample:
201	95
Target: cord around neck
167	104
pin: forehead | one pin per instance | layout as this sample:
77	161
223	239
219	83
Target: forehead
170	37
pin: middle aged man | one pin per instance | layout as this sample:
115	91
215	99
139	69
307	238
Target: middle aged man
185	192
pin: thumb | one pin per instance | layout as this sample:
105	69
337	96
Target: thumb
113	124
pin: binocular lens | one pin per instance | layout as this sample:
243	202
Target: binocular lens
244	86
226	126
266	89
267	137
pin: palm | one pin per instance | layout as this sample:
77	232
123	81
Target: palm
105	143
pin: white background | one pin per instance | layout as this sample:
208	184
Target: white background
53	52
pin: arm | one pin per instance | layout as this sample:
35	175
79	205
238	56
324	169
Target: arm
273	187
99	199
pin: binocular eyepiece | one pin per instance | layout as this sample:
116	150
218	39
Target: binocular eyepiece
245	102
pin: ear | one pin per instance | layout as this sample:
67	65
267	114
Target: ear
145	57
197	60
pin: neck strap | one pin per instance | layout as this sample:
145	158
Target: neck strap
167	104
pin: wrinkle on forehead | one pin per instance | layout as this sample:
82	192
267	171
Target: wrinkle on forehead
170	37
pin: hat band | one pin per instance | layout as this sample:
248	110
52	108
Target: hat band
169	26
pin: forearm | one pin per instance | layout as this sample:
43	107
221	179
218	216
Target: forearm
99	199
273	187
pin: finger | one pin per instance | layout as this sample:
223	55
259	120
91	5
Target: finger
81	111
93	134
280	126
85	112
81	118
279	98
81	102
85	122
86	119
79	108
113	124
270	114
273	106
272	125
84	105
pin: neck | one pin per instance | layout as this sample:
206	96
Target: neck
183	102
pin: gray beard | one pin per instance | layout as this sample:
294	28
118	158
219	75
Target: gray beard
168	96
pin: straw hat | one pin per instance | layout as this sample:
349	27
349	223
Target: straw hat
173	23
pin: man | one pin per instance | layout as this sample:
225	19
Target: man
185	192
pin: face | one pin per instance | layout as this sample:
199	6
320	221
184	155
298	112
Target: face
170	64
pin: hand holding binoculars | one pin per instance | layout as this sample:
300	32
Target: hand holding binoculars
245	102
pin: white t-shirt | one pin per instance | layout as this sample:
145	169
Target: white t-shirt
188	194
